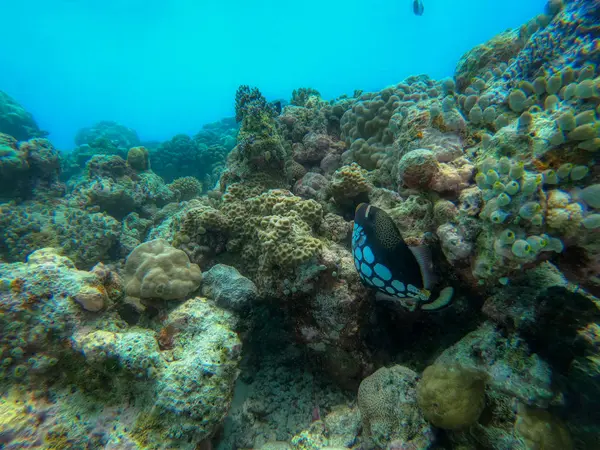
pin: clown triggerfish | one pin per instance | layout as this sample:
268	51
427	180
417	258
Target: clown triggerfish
384	262
418	7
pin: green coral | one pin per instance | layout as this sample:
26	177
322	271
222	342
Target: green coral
301	96
138	159
188	187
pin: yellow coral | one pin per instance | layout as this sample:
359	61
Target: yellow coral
541	430
562	214
138	158
348	182
451	397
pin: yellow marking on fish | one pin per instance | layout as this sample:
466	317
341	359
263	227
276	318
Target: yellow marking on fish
367	212
425	294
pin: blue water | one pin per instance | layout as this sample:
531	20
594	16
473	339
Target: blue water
168	66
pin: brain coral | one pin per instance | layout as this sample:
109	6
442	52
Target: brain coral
154	269
388	404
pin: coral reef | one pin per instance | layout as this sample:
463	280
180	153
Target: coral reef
202	156
115	133
28	169
490	176
16	121
202	358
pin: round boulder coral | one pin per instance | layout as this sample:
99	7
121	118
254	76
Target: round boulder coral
451	397
388	405
417	168
154	269
138	158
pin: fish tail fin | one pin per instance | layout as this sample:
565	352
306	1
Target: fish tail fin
422	254
441	301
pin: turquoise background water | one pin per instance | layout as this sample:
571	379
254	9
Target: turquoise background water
168	66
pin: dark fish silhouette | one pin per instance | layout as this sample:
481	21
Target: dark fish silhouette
277	106
418	7
383	260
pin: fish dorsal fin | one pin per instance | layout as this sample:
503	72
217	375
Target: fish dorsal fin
422	254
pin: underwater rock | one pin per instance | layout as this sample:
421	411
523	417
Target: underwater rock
312	185
454	244
228	288
547	311
133	231
314	148
108	361
84	288
194	392
136	352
